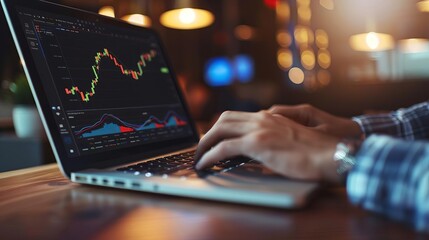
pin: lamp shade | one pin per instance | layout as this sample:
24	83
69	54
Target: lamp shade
138	19
371	42
186	15
107	11
187	18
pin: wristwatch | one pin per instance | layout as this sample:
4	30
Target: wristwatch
344	156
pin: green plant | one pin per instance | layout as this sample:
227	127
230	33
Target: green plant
21	92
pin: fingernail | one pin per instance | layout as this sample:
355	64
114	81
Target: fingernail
196	163
198	166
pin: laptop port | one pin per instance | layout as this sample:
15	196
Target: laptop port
119	183
136	185
80	179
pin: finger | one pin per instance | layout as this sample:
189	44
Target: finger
300	113
230	124
221	131
223	150
236	116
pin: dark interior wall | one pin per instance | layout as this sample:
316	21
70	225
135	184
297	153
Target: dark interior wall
351	99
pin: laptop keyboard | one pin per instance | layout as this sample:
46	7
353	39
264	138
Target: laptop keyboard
180	165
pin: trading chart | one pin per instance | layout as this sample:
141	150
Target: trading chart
113	86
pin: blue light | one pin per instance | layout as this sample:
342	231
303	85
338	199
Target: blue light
243	68
219	72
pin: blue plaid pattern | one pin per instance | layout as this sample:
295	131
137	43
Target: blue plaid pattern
409	123
391	176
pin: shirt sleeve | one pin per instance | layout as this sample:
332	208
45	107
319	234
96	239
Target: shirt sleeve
391	177
408	123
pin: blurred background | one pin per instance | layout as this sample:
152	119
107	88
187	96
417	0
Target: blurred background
347	57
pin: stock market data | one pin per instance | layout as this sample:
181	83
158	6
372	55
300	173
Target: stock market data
109	87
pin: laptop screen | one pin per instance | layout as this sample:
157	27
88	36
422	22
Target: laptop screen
108	87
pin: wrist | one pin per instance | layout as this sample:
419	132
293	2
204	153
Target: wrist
353	130
344	156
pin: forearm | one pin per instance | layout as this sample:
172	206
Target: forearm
392	178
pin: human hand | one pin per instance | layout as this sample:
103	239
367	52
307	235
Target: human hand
310	116
281	144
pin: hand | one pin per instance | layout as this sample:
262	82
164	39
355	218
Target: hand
310	116
281	144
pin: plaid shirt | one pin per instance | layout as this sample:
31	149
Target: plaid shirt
391	176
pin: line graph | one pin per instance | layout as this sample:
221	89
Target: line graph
110	124
135	74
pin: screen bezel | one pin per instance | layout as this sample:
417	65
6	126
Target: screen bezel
97	160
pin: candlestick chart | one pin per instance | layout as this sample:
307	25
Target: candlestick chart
109	87
136	74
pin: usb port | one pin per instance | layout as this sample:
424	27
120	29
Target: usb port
119	183
80	179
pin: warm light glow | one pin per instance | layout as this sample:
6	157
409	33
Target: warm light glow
305	3
138	19
285	59
414	45
284	39
322	39
308	60
244	32
324	58
423	6
304	13
187	18
283	11
328	4
296	75
324	77
187	15
310	82
304	35
107	11
371	42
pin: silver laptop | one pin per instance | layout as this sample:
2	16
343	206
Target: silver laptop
114	114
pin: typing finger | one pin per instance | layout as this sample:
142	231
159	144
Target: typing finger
230	124
225	149
300	113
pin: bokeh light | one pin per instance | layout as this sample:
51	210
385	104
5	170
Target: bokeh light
244	68
284	58
296	75
219	72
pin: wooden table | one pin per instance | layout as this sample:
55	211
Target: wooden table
39	203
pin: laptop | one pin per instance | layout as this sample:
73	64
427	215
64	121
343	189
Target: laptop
114	114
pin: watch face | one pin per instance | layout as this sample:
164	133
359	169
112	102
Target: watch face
344	157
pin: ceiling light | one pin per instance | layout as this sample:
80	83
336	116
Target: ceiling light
371	42
187	18
414	45
138	19
107	11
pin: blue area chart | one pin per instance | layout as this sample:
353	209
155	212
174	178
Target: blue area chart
110	124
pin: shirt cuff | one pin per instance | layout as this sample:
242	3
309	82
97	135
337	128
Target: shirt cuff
382	124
